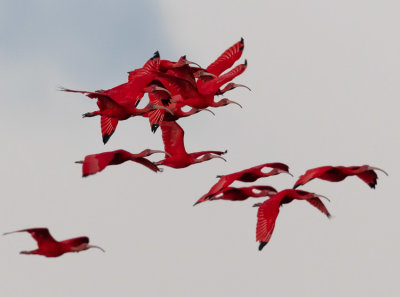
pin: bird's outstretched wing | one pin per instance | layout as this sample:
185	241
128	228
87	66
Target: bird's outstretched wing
227	58
108	126
41	235
266	217
316	202
172	135
314	173
97	162
76	241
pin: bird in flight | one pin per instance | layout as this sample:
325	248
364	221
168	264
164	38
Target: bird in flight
268	211
338	173
49	247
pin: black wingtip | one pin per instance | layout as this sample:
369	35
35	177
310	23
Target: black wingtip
295	186
137	103
242	44
154	128
184	57
245	62
106	137
85	175
372	185
156	55
241	40
166	101
262	245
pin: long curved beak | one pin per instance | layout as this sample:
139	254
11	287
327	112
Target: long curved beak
95	246
234	102
158	88
287	173
376	168
161	152
207	110
193	63
220	158
321	196
162	107
240	85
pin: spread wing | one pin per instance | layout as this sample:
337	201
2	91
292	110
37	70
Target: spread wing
108	126
227	59
316	202
266	217
311	174
172	135
97	162
211	87
146	163
41	235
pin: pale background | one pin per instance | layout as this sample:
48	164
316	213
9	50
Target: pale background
325	91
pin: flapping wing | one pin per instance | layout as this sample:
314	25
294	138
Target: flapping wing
97	162
76	241
266	218
316	202
108	126
172	135
311	174
227	59
41	235
147	163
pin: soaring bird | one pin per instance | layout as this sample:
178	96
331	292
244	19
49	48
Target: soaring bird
97	162
247	175
240	194
338	173
172	135
49	247
269	210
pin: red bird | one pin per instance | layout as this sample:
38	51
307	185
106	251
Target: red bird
97	162
269	210
338	173
172	135
240	194
248	175
49	247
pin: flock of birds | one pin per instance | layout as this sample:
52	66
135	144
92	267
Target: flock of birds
170	87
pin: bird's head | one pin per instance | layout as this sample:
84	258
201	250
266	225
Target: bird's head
79	244
204	74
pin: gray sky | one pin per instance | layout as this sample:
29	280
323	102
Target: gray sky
324	81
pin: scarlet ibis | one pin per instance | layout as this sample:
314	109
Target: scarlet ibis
188	94
176	108
49	247
97	162
210	86
172	135
240	194
247	175
338	173
269	210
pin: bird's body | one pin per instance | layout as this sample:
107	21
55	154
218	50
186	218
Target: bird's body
173	136
338	173
269	210
240	194
49	247
248	175
97	162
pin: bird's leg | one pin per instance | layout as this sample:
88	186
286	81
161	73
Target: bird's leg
28	252
91	114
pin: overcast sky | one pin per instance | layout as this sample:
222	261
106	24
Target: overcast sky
325	91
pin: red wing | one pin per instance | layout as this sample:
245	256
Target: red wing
316	202
108	126
211	87
311	174
125	94
146	163
369	177
156	116
148	71
96	163
41	235
266	217
227	59
76	241
184	72
172	135
178	86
